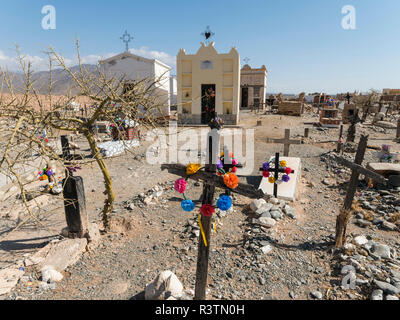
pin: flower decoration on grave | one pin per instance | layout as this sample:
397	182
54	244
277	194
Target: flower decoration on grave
231	180
43	137
180	185
223	168
385	153
192	168
45	174
207	210
224	202
284	171
187	205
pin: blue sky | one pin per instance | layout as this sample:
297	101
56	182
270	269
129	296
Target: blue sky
301	42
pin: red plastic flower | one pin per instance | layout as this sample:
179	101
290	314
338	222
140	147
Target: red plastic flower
288	170
234	169
265	174
207	210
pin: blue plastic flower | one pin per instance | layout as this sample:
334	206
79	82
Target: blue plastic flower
265	166
187	205
285	178
224	203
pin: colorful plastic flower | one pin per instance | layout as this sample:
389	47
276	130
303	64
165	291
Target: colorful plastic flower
192	168
234	169
180	185
224	202
231	180
285	178
265	166
265	174
288	170
207	210
271	179
283	163
187	205
220	165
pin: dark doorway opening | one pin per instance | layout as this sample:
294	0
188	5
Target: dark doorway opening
245	97
207	103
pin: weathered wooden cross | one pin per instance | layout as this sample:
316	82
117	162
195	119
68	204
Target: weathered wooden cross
210	182
357	169
285	141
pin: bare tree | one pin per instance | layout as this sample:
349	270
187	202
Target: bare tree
33	113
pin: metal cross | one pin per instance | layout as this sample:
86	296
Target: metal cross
246	60
126	38
207	34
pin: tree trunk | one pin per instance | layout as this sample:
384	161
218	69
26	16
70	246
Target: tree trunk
108	204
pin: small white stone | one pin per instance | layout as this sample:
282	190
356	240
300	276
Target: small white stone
266	249
360	240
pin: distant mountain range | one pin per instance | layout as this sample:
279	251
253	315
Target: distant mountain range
62	81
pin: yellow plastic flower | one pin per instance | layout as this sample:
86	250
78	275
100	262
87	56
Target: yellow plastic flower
192	168
271	179
283	163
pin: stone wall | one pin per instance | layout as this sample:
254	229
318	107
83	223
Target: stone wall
291	108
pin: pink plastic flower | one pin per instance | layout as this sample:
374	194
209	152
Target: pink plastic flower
180	185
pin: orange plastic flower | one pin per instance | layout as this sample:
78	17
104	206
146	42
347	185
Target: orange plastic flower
231	180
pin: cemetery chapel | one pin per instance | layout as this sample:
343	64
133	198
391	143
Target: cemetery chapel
208	73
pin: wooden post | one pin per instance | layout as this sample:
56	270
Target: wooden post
276	175
66	153
306	132
75	206
339	144
345	213
398	129
207	198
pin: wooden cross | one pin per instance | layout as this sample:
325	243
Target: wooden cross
357	169
211	181
286	142
398	130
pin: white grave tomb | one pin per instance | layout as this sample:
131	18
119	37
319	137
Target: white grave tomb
286	190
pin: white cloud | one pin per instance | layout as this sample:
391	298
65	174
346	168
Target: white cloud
153	54
13	63
41	63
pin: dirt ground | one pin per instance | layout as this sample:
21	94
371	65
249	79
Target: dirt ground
129	258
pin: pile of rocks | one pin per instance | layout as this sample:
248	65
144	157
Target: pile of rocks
372	267
191	229
258	234
381	208
149	197
112	148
